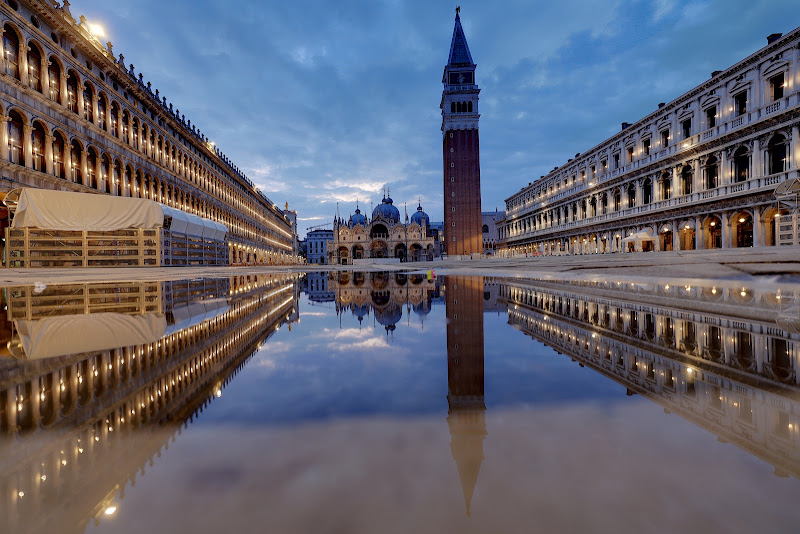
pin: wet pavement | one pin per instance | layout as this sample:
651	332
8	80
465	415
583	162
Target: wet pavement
385	401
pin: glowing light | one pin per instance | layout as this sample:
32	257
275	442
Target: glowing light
110	510
97	30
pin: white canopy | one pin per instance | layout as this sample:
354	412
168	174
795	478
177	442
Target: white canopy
196	312
76	334
65	210
186	223
788	187
639	236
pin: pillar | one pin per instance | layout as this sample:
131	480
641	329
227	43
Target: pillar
4	138
80	99
724	172
48	154
27	149
698	234
725	222
794	151
95	115
63	93
757	163
758	228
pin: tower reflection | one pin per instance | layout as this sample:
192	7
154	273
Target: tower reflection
466	415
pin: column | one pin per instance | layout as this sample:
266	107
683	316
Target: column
696	178
83	167
64	93
698	234
794	152
100	182
45	77
757	163
638	192
68	161
48	154
4	137
95	115
725	222
24	75
27	149
80	99
758	228
724	172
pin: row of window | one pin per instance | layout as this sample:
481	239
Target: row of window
65	88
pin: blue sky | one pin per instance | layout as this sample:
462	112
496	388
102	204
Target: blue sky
320	102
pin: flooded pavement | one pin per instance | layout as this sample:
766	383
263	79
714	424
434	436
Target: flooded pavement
395	402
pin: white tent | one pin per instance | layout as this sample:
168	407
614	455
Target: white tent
193	225
64	210
638	238
69	334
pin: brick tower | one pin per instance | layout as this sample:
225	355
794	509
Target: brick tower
462	167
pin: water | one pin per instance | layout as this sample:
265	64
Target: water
361	402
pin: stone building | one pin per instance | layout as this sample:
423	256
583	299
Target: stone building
490	231
75	117
317	245
699	172
384	236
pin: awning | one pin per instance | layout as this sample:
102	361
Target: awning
640	236
76	334
196	312
65	210
193	225
788	187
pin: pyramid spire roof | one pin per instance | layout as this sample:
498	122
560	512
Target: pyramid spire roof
459	50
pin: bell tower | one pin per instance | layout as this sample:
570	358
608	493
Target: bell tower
460	148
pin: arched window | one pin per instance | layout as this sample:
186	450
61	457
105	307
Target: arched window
116	181
135	135
583	208
105	170
35	68
10	52
666	185
485	229
686	179
88	97
617	199
711	172
72	92
75	157
37	147
631	190
54	73
452	107
469	106
776	154
101	112
114	119
91	168
59	155
604	203
741	165
15	153
647	191
125	121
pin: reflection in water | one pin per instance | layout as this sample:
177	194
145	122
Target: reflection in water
385	294
79	425
725	358
466	415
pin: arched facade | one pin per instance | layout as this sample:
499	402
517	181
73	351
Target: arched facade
690	190
74	117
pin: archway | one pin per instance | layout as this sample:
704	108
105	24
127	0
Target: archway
358	252
665	238
712	232
379	249
400	252
742	230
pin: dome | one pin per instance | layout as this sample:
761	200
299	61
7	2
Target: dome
386	211
390	315
421	218
357	218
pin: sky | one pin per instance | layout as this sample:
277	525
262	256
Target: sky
327	103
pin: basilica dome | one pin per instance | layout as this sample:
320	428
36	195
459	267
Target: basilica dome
386	211
358	218
420	217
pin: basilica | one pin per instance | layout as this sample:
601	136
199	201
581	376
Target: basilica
383	237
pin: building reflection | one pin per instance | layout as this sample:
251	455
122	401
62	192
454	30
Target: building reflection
384	295
79	425
724	357
466	414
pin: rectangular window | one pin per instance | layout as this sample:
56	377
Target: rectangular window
604	163
686	127
776	86
594	171
740	103
630	154
711	117
646	147
616	161
665	138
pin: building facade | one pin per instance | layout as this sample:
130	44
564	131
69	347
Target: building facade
317	246
490	231
384	236
75	117
698	173
461	149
